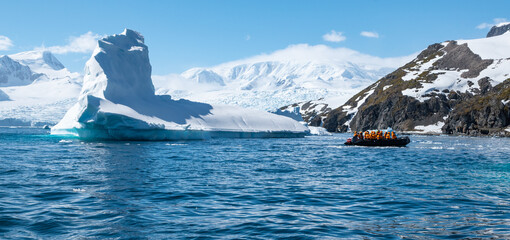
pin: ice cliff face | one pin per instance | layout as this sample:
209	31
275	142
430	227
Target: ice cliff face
451	87
118	102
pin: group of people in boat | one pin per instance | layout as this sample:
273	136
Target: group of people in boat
375	135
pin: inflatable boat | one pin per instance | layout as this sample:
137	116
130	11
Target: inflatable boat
399	142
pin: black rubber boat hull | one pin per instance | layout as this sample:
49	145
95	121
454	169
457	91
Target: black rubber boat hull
399	142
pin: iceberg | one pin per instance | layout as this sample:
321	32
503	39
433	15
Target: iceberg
118	102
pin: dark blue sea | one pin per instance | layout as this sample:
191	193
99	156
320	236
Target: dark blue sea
439	187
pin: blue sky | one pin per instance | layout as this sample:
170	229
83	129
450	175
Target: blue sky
185	34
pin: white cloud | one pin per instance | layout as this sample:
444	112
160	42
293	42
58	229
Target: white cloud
248	37
333	36
5	43
83	44
496	21
369	34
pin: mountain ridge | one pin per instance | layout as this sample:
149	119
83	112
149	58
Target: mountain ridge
427	93
269	81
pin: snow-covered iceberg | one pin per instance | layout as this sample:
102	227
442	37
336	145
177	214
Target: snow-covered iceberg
118	102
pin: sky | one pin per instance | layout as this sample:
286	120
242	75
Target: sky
186	34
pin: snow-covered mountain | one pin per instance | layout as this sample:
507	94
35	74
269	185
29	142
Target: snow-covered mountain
13	73
118	101
270	81
452	87
35	88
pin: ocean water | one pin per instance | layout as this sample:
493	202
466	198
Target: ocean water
308	188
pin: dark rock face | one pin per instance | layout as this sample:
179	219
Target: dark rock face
431	50
485	85
483	114
496	31
401	113
335	121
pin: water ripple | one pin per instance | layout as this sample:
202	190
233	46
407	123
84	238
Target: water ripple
312	188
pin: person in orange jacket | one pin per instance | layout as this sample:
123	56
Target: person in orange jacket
393	135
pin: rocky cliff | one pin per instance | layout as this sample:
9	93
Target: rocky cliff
486	113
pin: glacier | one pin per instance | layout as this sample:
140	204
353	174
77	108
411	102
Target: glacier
118	102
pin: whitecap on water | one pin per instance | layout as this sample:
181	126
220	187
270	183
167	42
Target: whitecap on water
447	148
176	144
65	141
334	146
78	190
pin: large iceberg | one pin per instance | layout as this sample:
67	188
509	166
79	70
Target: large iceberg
118	102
